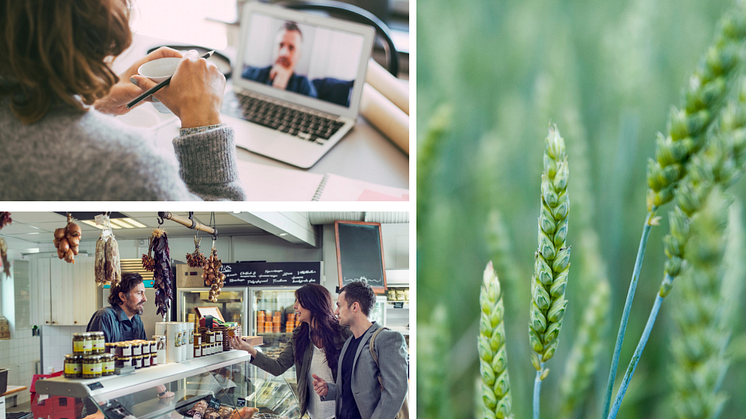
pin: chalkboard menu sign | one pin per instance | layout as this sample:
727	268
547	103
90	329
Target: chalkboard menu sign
271	274
360	253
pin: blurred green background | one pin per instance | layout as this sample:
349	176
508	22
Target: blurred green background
491	76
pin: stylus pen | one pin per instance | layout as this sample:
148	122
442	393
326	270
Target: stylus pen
159	86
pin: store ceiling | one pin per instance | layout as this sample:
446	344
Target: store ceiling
38	227
31	228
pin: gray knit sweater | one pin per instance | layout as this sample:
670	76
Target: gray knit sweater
74	156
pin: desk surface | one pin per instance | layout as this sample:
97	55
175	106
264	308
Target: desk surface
363	154
13	390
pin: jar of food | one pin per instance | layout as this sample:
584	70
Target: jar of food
98	343
406	294
205	349
124	349
136	348
137	361
88	343
197	351
92	366
391	294
210	337
145	360
153	346
145	347
153	359
197	339
78	344
73	366
110	348
108	363
123	361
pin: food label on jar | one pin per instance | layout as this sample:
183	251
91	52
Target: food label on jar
99	345
87	346
78	347
98	367
177	342
109	366
72	369
89	369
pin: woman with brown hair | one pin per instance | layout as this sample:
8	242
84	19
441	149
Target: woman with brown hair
313	349
56	89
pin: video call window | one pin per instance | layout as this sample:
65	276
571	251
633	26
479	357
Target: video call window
312	61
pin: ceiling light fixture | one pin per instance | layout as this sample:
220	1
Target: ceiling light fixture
134	222
92	224
117	222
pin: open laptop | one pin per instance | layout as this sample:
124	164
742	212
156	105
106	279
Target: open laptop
297	80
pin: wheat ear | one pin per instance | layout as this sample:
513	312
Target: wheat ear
493	358
699	347
701	104
720	165
687	128
551	261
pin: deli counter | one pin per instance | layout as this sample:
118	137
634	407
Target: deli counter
226	382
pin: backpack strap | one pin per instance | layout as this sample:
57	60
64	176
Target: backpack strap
374	354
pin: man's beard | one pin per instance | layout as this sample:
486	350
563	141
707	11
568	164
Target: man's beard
136	308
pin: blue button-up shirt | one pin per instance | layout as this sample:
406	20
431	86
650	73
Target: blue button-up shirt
116	326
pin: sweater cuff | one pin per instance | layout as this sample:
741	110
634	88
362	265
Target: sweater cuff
208	157
197	130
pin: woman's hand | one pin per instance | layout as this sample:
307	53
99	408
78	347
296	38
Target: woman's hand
238	343
115	103
195	93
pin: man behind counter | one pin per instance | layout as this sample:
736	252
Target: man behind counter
121	321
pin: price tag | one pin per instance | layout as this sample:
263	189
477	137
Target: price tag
399	304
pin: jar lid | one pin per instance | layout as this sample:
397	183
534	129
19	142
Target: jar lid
74	357
78	335
137	356
124	357
97	333
92	358
108	356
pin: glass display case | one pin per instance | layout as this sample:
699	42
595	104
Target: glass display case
226	382
232	303
272	317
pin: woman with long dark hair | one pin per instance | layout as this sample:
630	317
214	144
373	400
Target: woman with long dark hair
313	349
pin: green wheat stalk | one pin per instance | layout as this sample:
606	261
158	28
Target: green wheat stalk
719	166
698	350
493	359
687	126
551	262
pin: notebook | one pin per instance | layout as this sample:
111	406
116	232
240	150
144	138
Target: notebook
270	183
297	81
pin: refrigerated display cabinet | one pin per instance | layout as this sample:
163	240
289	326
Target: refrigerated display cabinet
273	302
226	380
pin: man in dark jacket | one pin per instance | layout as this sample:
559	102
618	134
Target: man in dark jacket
281	74
358	393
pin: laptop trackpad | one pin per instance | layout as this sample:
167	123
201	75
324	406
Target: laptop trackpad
251	136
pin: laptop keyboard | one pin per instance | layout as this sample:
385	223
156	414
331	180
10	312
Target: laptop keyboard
304	125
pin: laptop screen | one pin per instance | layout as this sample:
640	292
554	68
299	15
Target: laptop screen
314	61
